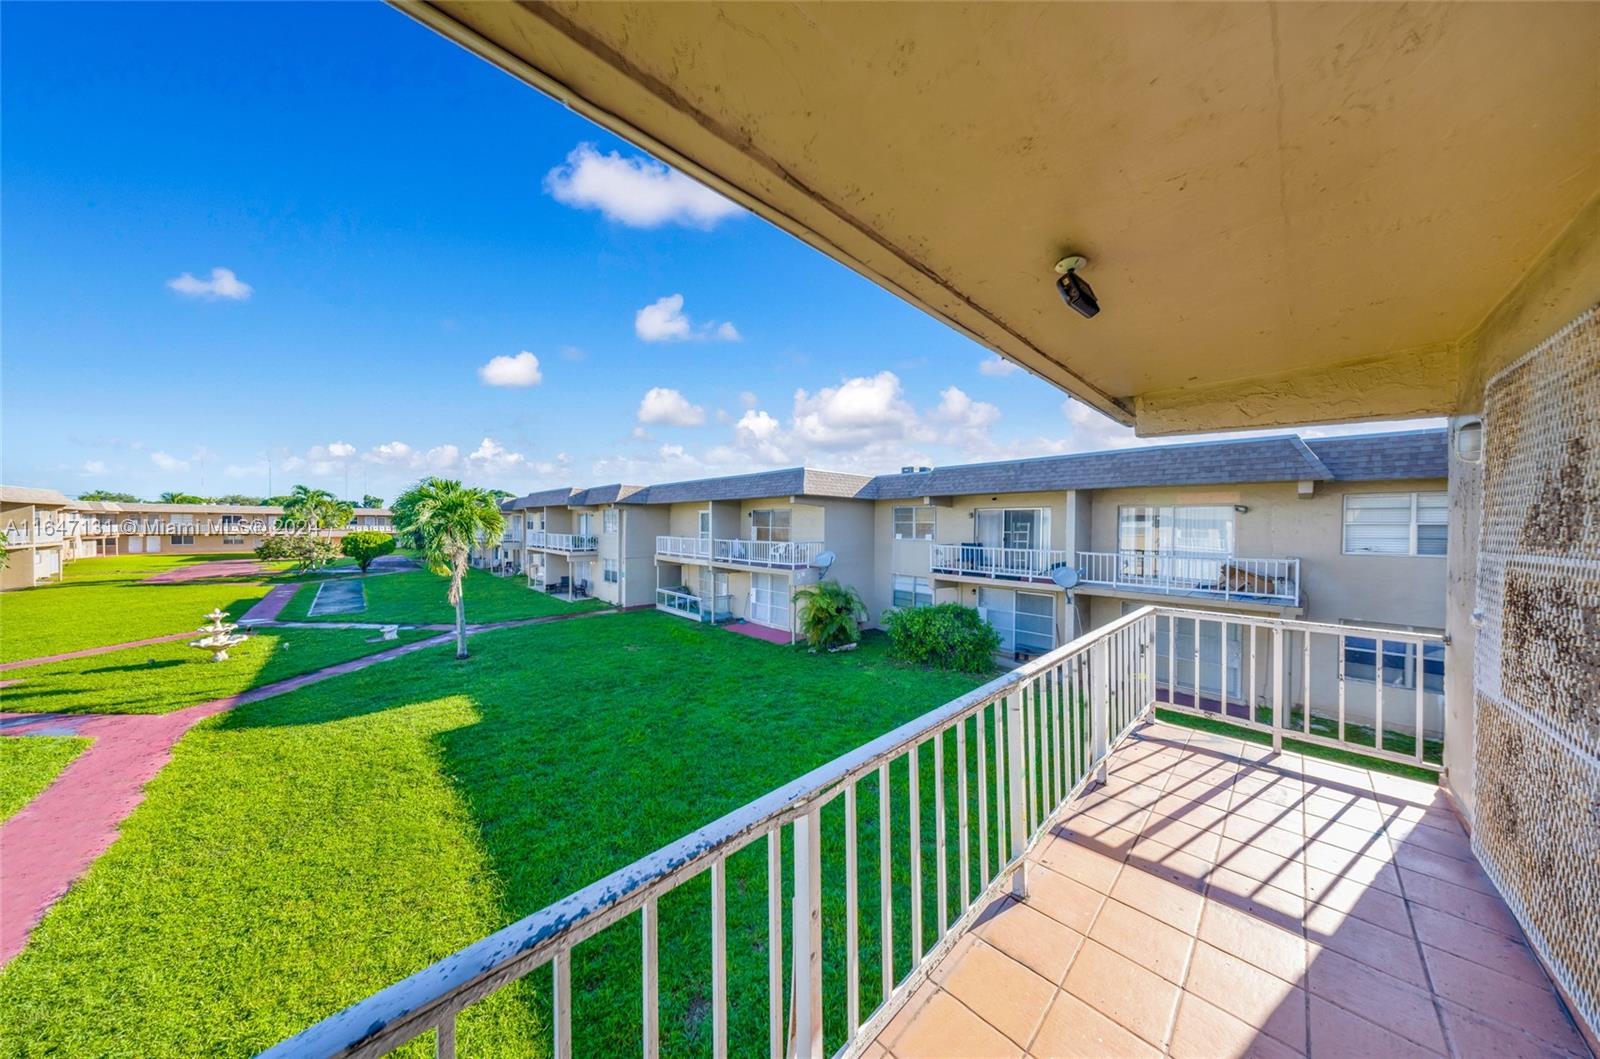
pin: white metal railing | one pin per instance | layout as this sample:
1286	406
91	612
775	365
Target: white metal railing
1369	690
563	542
1001	564
1009	755
1190	573
17	538
687	603
777	554
684	547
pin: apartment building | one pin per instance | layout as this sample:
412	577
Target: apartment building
34	522
1336	530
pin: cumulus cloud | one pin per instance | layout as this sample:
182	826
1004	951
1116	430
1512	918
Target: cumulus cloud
168	462
93	467
664	320
997	366
748	399
668	407
637	191
520	370
1093	430
223	284
857	412
959	413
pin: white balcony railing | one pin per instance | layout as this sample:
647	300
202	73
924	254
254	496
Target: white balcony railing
690	605
18	538
1194	574
784	555
684	547
570	543
1025	745
999	564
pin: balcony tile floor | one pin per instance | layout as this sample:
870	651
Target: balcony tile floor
1214	900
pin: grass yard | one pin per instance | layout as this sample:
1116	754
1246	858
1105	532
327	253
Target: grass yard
102	601
419	597
29	764
160	678
301	852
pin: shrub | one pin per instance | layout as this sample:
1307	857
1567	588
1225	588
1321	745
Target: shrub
831	614
306	551
946	636
366	545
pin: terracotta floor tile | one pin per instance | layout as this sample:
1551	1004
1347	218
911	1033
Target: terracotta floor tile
1174	865
1263	1001
1473	1037
1271	947
1387	951
1494	950
1533	1009
1073	1029
1064	900
1262	865
1001	991
1347	897
1094	868
1483	909
1029	937
1244	829
1264	901
1439	866
1450	843
1136	999
909	1012
1191	810
1363	872
1360	840
1387	1001
1267	838
944	1028
1273	815
1177	834
1160	898
1374	870
1148	942
1205	1031
1337	1032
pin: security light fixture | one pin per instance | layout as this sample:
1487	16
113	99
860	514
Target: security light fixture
1242	509
1074	289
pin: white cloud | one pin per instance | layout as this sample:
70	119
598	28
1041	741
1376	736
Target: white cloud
520	370
341	450
669	408
856	412
748	399
93	467
491	457
1092	430
997	366
168	462
222	284
664	320
638	191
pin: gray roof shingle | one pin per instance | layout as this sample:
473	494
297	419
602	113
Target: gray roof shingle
792	481
1378	457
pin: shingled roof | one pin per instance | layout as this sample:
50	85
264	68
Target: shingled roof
793	481
544	498
1377	457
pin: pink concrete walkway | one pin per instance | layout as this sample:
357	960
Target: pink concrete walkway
269	606
760	632
50	843
89	651
208	570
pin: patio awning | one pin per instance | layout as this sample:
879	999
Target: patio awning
1293	213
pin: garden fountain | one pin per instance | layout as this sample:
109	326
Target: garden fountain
219	636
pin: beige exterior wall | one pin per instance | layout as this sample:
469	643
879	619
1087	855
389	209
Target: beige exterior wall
640	526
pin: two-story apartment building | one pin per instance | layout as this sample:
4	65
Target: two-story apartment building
34	522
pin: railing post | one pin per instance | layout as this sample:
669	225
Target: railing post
1017	790
1100	706
805	1022
1277	688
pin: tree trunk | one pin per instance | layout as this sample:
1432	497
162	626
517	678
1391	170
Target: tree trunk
461	626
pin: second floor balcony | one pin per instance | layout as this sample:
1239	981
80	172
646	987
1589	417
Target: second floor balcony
774	555
1198	575
1032	565
565	543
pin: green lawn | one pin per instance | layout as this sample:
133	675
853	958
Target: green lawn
419	597
300	852
29	763
103	601
159	678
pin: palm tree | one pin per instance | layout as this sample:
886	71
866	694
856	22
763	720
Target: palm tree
831	614
317	508
447	519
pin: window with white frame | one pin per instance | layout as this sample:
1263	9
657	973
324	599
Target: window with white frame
1194	529
913	523
182	538
608	521
232	538
1399	660
912	591
608	570
770	524
1396	523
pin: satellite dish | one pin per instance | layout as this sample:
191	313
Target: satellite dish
824	560
1064	576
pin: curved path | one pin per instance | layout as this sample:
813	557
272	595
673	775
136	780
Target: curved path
50	843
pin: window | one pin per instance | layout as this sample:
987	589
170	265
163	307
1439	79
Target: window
183	538
913	523
608	521
912	591
770	524
1026	621
1396	523
608	570
1399	664
1194	529
585	525
1027	528
232	538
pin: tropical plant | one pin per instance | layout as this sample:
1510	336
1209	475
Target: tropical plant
183	498
447	519
106	494
830	614
366	545
371	501
946	636
240	498
307	551
316	509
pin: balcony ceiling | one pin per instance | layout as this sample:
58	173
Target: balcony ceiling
1294	213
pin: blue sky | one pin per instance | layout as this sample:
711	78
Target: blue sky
425	267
